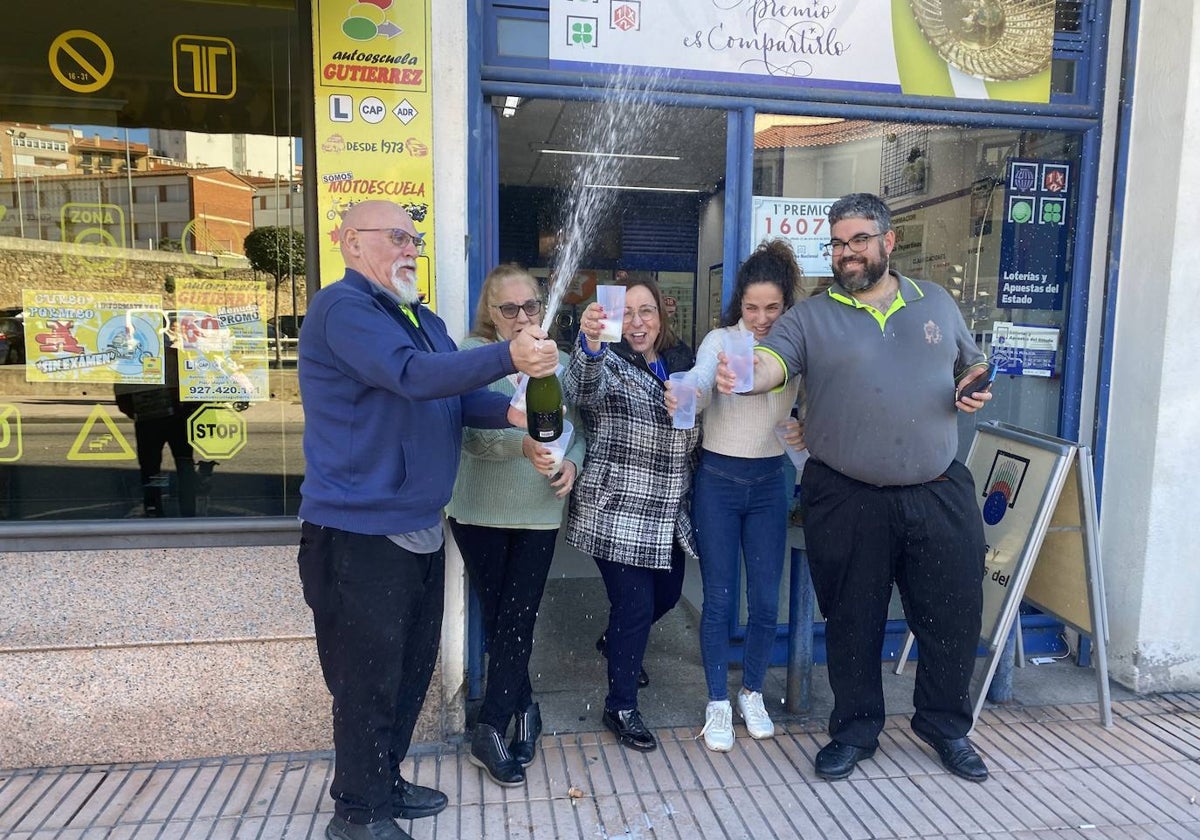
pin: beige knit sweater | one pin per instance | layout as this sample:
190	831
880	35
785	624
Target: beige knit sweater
737	425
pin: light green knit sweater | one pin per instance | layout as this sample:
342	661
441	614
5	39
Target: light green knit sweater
496	485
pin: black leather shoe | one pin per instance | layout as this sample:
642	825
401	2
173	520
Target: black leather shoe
490	753
339	829
627	725
602	646
412	802
836	760
958	756
526	732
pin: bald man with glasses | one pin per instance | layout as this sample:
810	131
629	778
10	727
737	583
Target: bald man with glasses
386	395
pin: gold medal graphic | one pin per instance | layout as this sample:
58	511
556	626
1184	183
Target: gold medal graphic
997	40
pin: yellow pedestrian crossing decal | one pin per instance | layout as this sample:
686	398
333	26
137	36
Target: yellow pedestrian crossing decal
100	440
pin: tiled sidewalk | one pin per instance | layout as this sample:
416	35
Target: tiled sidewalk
1056	773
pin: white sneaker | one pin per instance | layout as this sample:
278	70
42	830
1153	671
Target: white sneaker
758	722
718	726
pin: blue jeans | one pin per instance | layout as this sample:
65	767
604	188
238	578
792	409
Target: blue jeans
739	508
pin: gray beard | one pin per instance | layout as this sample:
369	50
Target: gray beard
403	289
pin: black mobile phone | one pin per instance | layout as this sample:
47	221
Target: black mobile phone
980	383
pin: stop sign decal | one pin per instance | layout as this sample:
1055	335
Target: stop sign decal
216	432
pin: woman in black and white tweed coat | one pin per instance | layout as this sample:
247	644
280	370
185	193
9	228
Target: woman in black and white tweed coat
629	509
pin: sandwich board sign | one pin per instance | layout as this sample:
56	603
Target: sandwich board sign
1037	496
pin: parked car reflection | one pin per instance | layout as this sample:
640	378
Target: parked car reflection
12	338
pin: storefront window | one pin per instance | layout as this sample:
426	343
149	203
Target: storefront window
143	374
985	213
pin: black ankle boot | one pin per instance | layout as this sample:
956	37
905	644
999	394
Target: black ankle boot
527	731
643	679
489	752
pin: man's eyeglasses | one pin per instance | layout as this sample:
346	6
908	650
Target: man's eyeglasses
400	238
644	312
510	310
857	244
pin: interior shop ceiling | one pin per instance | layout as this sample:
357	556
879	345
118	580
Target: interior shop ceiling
696	137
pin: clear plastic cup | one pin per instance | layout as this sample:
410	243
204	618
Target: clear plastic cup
612	298
683	387
559	446
798	456
739	354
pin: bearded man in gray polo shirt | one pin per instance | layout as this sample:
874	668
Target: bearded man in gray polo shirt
885	359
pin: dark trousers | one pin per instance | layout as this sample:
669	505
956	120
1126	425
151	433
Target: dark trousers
928	539
377	611
637	598
151	435
508	568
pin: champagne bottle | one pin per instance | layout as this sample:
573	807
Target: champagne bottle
543	408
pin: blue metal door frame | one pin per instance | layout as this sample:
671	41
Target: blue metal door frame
741	102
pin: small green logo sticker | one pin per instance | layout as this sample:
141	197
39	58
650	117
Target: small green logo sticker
1022	212
582	34
1052	213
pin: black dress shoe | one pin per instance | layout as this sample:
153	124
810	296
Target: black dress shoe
836	760
526	732
339	829
627	725
958	756
602	646
412	802
490	753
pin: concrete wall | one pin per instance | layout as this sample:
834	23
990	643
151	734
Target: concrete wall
30	263
110	656
156	654
1149	527
450	180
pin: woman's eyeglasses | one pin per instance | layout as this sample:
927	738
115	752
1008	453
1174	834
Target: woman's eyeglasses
510	310
644	312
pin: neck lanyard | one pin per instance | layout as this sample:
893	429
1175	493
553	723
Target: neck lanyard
659	367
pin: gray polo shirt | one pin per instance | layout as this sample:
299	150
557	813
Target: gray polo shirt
880	386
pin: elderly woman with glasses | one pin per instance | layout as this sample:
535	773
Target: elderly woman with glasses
505	514
630	505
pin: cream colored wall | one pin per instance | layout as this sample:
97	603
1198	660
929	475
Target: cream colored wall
1149	527
450	179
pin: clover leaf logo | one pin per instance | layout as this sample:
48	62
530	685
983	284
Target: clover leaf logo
583	33
1052	213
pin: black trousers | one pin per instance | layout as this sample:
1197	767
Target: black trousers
377	611
637	598
151	435
928	539
508	569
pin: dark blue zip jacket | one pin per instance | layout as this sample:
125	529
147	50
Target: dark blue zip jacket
384	407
